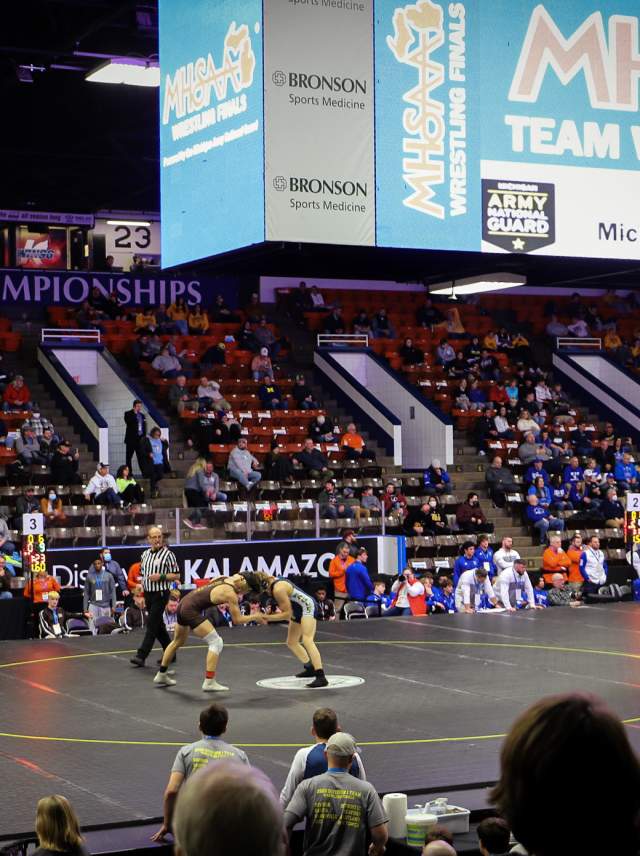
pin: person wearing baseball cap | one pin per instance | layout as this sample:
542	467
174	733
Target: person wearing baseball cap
338	809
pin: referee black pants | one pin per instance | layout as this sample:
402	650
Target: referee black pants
156	602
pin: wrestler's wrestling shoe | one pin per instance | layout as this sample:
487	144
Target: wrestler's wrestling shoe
210	685
162	679
307	672
319	681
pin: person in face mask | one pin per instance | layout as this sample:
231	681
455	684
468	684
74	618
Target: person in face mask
51	506
112	567
612	510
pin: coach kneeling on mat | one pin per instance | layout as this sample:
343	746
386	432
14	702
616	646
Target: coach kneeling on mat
194	756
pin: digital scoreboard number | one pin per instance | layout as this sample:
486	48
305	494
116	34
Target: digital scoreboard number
632	519
34	554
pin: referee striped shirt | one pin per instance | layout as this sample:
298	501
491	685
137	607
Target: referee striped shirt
161	561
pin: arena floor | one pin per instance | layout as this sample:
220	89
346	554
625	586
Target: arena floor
438	695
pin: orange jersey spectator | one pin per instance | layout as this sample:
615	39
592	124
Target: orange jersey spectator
43	584
338	570
554	560
574	552
133	577
352	440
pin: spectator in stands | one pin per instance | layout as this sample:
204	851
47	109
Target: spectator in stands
38	588
626	472
493	836
474	591
270	395
369	502
488	365
579	328
332	504
338	575
574	554
222	314
526	424
457	368
265	338
103	488
135	616
99	592
502	424
573	472
514	588
484	555
466	561
316	297
135	429
504	558
303	396
429	316
555	560
344	795
325	607
540	594
593	566
382	326
6	544
243	466
470	517
128	488
145	321
358	581
180	396
410	354
26	503
435	479
155	457
408	595
561	594
5	580
112	567
321	431
334	322
528	449
500	482
28	448
485	431
167	365
17	395
545	749
434	519
540	518
312	760
278	466
394	502
142	351
51	507
477	395
213	356
315	463
261	366
362	324
462	400
445	353
194	756
57	828
353	445
64	465
542	491
349	538
179	314
203	489
38	424
612	510
197	321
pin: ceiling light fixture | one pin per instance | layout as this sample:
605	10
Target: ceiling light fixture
128	70
129	222
478	284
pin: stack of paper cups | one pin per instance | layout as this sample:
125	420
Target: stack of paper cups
395	806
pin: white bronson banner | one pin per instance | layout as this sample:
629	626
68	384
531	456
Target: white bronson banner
319	122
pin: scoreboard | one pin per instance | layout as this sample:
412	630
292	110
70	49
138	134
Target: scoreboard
34	547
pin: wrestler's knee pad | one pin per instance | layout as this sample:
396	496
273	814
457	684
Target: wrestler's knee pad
214	642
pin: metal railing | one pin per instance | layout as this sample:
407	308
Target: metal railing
341	340
50	335
571	343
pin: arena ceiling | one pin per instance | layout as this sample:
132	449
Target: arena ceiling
69	145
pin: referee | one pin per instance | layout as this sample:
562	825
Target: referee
158	570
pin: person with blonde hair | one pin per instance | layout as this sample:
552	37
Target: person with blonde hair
57	828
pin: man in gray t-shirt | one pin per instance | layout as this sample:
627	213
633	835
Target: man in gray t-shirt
338	808
209	749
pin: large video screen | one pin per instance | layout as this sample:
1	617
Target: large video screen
211	140
509	126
